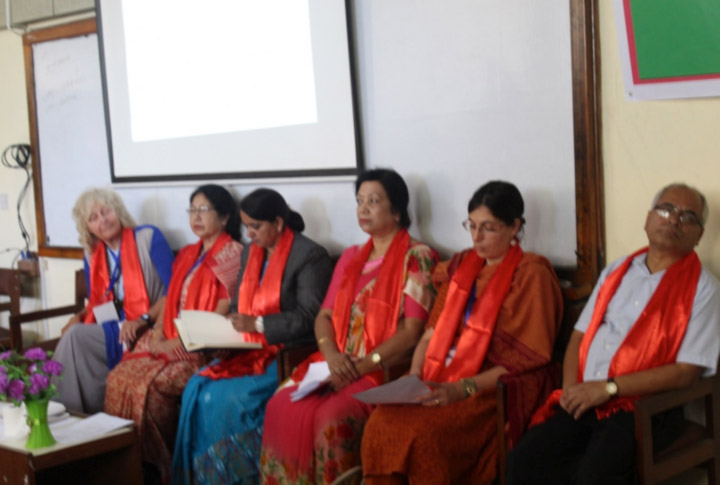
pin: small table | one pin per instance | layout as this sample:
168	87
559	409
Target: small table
113	458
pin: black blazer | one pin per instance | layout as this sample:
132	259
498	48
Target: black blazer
305	280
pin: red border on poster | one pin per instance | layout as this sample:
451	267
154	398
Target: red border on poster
634	62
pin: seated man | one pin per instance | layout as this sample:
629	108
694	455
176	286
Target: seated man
652	324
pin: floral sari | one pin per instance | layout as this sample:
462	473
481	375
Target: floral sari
317	438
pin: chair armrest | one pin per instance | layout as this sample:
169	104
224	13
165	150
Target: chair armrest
664	401
290	357
690	452
17	320
397	367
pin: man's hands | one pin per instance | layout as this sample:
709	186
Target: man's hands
578	398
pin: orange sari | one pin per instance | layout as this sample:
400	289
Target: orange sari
457	443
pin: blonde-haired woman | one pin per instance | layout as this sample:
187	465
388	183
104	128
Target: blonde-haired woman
127	266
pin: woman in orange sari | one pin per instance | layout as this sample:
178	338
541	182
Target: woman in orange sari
147	384
497	312
373	313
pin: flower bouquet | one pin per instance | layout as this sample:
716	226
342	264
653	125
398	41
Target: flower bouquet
26	378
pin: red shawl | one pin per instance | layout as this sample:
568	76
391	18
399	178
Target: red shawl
203	292
383	305
136	298
257	299
475	339
654	339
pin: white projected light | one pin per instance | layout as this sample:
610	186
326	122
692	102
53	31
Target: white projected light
267	81
227	88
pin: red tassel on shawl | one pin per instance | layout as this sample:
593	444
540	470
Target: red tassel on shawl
257	299
136	300
475	340
383	306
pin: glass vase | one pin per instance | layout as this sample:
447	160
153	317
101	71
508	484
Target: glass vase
40	435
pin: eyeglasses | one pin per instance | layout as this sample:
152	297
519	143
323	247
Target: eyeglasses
685	217
203	209
486	227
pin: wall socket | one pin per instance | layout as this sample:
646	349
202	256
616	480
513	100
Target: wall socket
3	202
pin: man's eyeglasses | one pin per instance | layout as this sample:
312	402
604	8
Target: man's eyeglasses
685	217
485	227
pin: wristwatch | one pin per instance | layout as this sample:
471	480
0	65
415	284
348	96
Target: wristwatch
260	324
469	386
611	387
376	358
145	317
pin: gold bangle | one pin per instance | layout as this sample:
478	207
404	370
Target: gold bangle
469	386
321	340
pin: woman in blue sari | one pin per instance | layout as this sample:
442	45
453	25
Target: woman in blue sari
281	284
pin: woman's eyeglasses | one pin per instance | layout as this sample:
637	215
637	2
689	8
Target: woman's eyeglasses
203	209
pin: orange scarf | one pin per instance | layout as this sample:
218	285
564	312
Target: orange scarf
475	339
383	305
136	298
654	339
203	292
257	299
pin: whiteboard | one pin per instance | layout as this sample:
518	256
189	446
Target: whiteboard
452	94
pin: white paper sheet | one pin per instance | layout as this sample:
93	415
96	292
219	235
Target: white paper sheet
96	425
405	390
105	312
316	376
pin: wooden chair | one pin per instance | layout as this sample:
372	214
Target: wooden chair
697	445
16	321
9	286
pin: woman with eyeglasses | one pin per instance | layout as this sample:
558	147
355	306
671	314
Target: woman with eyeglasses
281	283
497	312
147	384
374	312
127	268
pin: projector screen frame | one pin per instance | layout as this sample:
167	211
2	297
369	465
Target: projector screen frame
254	174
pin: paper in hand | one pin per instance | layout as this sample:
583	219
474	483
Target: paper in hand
316	376
405	390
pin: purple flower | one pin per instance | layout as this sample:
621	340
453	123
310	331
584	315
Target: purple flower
36	353
4	381
52	367
38	383
5	355
32	369
16	390
3	370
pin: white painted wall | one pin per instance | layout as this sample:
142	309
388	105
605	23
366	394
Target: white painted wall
645	145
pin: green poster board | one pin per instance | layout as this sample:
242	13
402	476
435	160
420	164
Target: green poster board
677	39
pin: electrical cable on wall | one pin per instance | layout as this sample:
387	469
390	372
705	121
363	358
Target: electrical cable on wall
18	157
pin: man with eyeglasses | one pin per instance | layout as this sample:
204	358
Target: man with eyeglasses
651	324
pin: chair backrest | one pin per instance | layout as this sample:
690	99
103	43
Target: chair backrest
10	286
81	292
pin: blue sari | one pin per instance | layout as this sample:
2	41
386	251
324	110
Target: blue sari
220	430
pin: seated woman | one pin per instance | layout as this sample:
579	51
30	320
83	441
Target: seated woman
281	283
126	265
147	384
498	311
374	312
